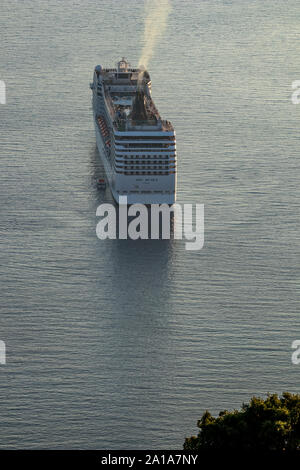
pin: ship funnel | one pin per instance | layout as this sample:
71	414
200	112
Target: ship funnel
143	77
139	112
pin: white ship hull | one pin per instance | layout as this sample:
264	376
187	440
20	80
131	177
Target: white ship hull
139	161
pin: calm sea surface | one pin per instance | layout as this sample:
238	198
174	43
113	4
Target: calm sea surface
123	344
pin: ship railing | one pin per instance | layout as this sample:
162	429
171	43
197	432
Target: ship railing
123	125
144	125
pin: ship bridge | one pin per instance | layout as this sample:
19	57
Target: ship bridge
123	65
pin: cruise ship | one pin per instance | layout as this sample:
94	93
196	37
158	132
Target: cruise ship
137	147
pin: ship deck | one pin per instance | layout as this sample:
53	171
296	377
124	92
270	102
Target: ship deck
123	102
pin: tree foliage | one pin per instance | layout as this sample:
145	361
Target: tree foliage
263	425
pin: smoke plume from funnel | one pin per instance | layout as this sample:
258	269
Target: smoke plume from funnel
155	23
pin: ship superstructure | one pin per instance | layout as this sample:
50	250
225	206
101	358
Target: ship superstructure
137	147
